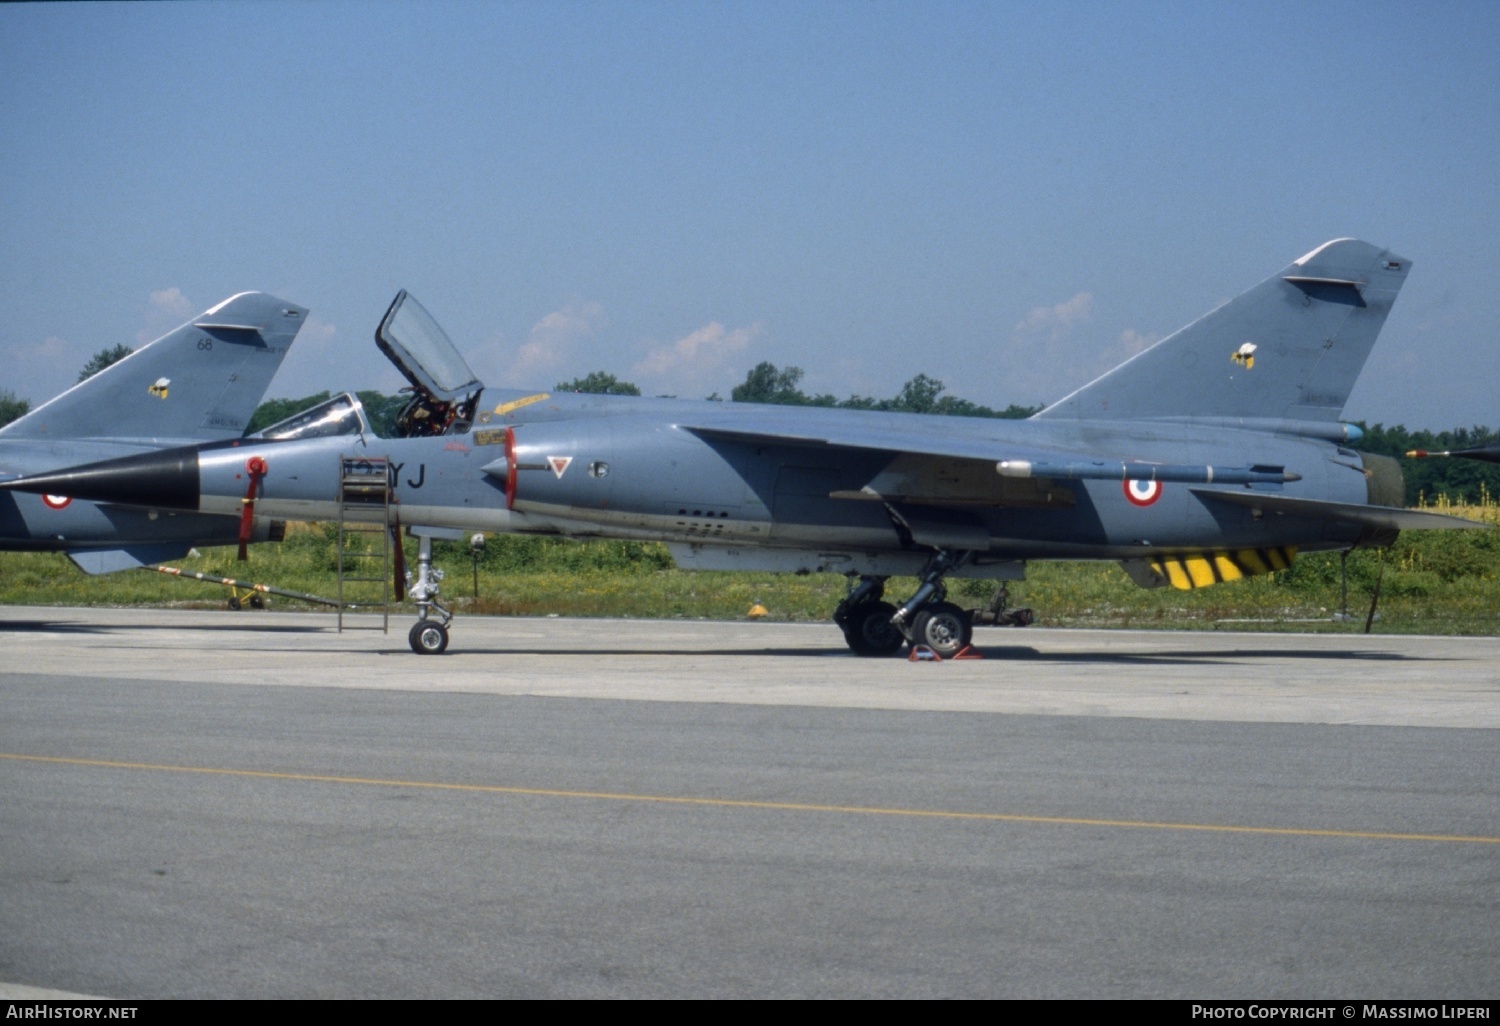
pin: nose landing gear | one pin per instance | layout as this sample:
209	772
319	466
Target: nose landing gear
429	635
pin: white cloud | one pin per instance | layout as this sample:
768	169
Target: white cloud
317	330
490	361
1132	342
1057	322
551	341
165	309
316	345
1045	360
53	348
691	362
47	368
39	371
172	302
320	362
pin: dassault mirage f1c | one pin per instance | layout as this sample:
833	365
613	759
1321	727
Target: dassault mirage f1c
201	381
1216	454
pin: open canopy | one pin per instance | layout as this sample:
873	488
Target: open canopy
422	351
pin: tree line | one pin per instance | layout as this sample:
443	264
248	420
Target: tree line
1426	480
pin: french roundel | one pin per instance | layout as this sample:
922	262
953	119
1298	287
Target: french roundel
1142	493
56	501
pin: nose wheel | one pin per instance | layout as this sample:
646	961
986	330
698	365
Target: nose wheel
428	637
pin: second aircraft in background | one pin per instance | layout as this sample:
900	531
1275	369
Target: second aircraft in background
199	383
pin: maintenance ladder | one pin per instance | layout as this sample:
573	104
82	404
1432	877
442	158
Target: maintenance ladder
364	538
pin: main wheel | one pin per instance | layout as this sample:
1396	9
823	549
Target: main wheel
428	637
944	628
869	631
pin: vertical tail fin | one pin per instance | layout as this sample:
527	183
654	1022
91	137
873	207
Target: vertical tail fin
1288	349
201	381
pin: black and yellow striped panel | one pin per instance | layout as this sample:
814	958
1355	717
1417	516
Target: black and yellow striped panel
1199	570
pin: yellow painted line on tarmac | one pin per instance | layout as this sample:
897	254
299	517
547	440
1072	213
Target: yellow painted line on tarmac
733	803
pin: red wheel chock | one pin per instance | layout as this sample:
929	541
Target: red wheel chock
923	654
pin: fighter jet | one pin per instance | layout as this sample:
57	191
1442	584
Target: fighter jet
1216	454
201	382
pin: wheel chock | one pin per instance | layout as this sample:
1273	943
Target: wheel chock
922	654
967	652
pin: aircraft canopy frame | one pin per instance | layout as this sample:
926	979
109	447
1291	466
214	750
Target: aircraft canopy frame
413	341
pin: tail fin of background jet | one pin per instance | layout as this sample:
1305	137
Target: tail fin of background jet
202	381
1289	349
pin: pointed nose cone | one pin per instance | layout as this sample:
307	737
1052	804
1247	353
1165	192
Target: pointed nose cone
164	480
1484	453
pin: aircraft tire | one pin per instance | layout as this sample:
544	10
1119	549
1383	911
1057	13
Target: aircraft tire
234	604
944	628
869	631
428	637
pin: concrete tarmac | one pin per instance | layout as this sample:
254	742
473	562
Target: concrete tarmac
1211	675
249	804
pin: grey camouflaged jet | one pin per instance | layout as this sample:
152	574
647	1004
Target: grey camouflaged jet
200	382
1216	454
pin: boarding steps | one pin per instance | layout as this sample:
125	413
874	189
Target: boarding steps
367	511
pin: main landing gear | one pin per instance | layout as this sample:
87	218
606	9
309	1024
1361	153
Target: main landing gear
428	636
874	627
867	622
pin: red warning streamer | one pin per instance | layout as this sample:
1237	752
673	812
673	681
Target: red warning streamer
510	468
398	572
255	466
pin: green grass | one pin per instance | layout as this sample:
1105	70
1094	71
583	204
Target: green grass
1438	582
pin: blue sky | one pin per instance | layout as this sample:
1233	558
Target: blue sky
1009	197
